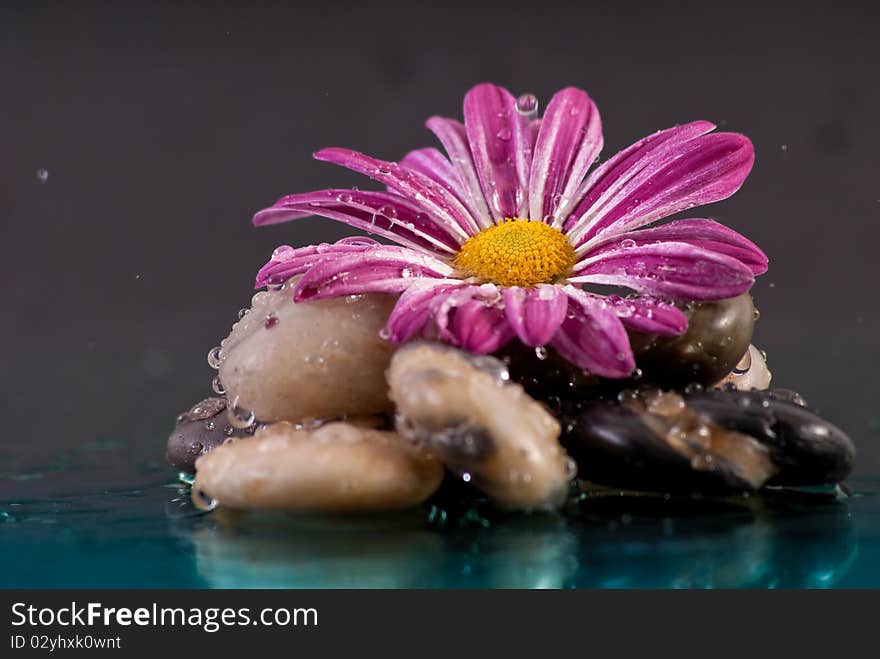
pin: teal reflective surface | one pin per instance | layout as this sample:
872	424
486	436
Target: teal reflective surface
105	532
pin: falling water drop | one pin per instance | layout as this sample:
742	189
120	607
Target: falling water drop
42	175
541	353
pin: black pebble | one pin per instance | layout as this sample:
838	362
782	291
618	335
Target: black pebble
199	430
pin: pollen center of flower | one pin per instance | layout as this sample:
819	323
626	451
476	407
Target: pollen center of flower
516	253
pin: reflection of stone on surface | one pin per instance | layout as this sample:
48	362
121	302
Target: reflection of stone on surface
778	539
274	550
758	541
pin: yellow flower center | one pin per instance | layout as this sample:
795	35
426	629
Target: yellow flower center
516	253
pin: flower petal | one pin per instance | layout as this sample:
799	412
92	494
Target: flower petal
568	142
287	262
453	136
379	213
471	318
433	198
480	328
609	177
700	171
707	234
677	270
649	315
535	313
593	338
433	164
501	145
383	269
414	310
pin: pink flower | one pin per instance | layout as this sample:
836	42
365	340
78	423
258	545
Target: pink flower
497	239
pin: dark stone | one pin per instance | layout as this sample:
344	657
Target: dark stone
198	430
624	445
613	446
807	449
718	335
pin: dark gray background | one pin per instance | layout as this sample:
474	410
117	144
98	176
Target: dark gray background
164	126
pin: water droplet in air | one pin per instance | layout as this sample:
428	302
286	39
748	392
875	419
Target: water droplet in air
466	477
214	357
627	243
541	352
42	175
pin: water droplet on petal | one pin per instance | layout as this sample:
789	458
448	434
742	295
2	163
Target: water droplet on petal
527	104
217	386
504	134
343	198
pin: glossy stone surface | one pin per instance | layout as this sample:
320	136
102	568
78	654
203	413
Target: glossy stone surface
718	335
706	441
337	467
198	430
486	429
324	359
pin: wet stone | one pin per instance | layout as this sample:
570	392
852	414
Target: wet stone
806	449
317	359
199	430
707	441
717	338
336	467
486	430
